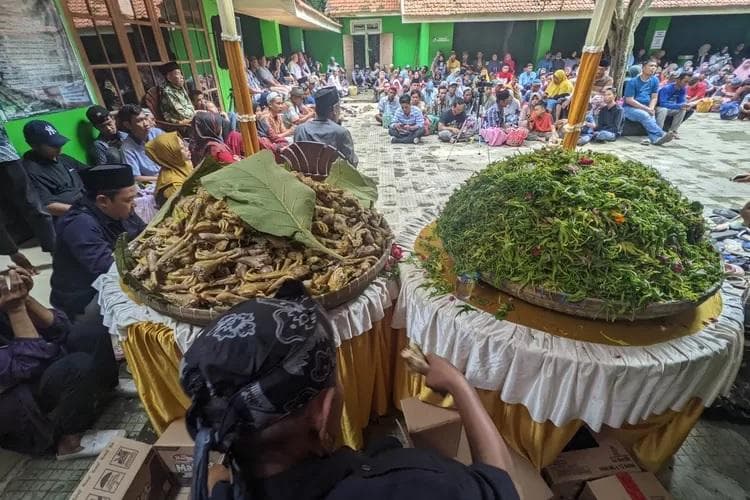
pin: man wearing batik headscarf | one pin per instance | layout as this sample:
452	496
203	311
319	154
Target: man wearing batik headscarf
263	384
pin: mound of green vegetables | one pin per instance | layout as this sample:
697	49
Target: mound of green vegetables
587	225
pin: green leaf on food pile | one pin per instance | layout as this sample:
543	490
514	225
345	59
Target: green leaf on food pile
348	178
268	198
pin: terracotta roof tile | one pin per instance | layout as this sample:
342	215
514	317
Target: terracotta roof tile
442	8
339	8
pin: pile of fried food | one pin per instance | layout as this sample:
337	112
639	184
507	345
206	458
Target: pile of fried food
204	256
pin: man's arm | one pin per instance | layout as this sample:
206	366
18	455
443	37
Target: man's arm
57	209
663	97
419	120
346	147
87	244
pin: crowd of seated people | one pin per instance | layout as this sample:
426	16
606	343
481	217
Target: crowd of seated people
502	102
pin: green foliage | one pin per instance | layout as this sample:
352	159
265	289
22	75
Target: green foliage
589	226
268	198
348	178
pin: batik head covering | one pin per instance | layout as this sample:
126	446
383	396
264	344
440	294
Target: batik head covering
261	361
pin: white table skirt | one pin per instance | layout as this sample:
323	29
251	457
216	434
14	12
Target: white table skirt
559	379
349	320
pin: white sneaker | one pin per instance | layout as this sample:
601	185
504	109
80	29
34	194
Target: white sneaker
645	142
93	443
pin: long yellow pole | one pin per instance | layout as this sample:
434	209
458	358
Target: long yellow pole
240	89
593	47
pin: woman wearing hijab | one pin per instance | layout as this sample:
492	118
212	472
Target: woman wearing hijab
263	383
171	153
206	131
558	92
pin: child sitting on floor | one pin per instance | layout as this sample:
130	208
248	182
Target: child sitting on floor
541	127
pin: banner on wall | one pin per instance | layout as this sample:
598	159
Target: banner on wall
39	72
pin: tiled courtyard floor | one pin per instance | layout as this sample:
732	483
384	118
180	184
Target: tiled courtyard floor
713	463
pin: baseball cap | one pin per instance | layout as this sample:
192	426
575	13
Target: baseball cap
43	133
97	114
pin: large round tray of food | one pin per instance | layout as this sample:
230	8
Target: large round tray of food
240	232
585	234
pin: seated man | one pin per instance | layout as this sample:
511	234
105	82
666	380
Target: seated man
260	68
609	120
52	377
325	128
358	76
451	124
602	81
387	106
106	147
541	125
527	77
672	101
278	133
408	123
20	200
256	88
137	124
54	175
640	104
297	112
86	236
284	440
174	102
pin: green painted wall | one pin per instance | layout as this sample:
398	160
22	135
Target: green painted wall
545	30
655	24
424	44
322	45
270	35
405	40
441	38
296	40
210	9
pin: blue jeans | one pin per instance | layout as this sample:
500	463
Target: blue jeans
653	129
604	136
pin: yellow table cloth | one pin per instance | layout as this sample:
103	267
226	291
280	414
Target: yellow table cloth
365	369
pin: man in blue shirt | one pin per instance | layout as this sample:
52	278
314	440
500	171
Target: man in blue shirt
408	123
672	101
546	62
387	106
640	104
137	124
87	233
527	77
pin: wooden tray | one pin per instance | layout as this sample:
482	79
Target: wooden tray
593	308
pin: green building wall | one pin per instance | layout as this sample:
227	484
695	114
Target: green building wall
322	45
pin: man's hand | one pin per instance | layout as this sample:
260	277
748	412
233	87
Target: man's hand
26	276
20	260
441	376
650	111
13	294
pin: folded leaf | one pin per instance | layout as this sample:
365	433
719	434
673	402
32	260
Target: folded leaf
348	178
268	198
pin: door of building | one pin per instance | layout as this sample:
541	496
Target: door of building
366	42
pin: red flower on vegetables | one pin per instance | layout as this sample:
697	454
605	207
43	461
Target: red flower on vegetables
585	161
397	252
536	251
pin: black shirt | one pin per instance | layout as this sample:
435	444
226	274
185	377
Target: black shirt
450	120
55	181
85	240
392	474
106	150
610	119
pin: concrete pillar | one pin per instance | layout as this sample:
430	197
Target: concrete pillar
424	45
296	40
655	24
544	31
270	36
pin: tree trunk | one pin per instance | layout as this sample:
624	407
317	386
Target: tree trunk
508	34
628	14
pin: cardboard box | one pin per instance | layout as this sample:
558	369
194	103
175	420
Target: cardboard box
441	430
176	448
626	486
599	456
126	470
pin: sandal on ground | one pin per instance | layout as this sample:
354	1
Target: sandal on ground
93	443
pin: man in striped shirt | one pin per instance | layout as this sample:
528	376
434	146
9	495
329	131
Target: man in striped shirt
408	123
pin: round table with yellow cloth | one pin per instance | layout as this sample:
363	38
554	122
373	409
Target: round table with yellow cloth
153	345
543	374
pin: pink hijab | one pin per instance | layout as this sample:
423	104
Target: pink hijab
743	70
